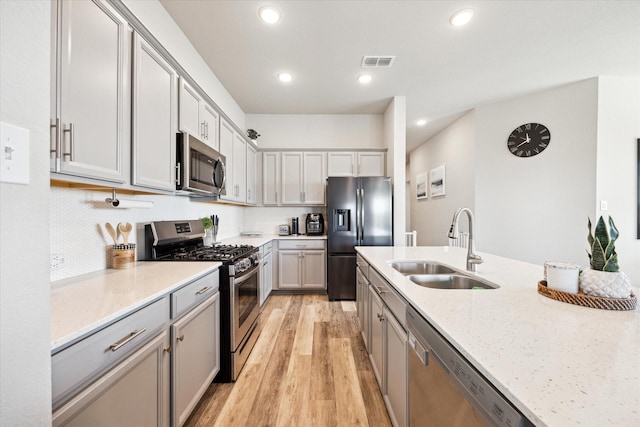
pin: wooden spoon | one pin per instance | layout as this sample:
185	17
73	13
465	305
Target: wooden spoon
112	232
125	229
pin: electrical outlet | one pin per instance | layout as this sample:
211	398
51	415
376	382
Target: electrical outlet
56	262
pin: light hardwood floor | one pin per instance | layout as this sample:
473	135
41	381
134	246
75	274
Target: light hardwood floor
308	368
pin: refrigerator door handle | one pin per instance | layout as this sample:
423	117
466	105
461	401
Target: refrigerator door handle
361	215
357	216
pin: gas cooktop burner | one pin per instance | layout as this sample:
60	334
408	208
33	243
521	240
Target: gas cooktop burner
206	253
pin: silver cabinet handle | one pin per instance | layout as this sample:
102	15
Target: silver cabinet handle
202	130
180	338
203	290
380	290
71	142
380	317
56	149
178	181
118	344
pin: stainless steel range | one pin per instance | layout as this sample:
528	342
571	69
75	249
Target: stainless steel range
239	279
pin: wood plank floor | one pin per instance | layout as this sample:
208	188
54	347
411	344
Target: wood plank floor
308	368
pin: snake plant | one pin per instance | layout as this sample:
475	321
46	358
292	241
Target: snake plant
603	255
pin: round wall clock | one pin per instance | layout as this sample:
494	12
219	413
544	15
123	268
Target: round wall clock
528	140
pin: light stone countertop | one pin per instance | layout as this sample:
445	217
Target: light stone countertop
558	363
84	304
266	238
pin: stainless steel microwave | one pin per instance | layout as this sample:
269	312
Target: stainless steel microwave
200	168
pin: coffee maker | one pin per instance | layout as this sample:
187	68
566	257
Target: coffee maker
315	224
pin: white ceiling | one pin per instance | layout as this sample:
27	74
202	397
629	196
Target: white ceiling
509	49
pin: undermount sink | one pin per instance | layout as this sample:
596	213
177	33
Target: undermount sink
420	267
449	281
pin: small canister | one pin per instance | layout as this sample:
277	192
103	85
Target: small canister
123	256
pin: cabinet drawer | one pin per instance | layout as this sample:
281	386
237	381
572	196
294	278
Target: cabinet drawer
301	244
267	247
75	366
391	298
193	293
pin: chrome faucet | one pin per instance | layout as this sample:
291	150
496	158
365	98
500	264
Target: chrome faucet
473	259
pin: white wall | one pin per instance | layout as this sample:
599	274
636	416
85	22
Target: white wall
618	131
322	131
156	19
395	127
535	209
454	147
25	358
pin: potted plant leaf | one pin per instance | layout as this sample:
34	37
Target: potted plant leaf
604	278
207	223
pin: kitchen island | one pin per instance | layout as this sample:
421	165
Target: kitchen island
559	364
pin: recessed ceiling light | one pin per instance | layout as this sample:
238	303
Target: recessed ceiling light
269	14
461	17
285	77
365	78
421	122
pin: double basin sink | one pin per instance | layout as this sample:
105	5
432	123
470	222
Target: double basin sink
437	276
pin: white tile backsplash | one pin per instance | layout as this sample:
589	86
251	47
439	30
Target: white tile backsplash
78	216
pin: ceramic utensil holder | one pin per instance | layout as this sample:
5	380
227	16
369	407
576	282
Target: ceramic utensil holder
123	256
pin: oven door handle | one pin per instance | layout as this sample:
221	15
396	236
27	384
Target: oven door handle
237	280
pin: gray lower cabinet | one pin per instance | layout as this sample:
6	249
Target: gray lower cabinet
376	343
134	393
395	396
362	304
302	264
388	346
266	272
149	368
196	356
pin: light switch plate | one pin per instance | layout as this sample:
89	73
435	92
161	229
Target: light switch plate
604	205
14	154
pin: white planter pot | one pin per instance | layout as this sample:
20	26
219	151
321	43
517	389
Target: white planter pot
605	284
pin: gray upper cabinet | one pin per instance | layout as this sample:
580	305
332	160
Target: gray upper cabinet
234	147
252	167
90	115
304	177
356	163
197	117
270	178
155	109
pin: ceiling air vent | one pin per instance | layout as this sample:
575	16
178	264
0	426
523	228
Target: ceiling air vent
377	61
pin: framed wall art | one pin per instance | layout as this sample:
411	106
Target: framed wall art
437	181
421	186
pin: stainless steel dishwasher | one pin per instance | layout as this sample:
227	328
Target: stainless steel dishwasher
445	390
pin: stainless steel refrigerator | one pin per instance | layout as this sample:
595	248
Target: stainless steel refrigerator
359	213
